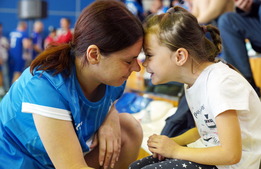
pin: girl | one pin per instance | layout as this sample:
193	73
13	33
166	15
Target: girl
225	107
60	113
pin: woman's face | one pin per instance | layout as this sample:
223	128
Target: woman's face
158	61
117	67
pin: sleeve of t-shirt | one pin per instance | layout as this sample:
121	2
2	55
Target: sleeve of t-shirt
230	93
40	97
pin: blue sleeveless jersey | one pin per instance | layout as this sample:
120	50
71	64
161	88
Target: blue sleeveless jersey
20	144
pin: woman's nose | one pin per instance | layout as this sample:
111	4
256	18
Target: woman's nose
135	66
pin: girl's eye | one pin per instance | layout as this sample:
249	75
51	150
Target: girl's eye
129	62
148	56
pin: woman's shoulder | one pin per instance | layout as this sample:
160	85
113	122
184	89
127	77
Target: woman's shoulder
56	80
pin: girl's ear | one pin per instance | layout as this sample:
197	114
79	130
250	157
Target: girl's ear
181	56
93	55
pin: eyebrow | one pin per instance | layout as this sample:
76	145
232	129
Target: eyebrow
131	57
147	50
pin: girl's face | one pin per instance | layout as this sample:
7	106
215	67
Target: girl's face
159	60
117	67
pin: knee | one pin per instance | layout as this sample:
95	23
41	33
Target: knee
131	128
230	20
225	20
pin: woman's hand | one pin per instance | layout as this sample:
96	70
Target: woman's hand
162	146
109	137
244	5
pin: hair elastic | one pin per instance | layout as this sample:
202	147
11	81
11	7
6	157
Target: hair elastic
71	44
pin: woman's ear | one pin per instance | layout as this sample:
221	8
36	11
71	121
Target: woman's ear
93	55
181	56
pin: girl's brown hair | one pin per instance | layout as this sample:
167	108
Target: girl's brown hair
106	24
180	29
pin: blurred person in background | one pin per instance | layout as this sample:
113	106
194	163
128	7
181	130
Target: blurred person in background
186	4
37	38
18	41
235	28
157	7
64	34
4	46
136	7
51	38
208	11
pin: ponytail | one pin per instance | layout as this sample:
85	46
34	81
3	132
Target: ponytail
57	58
214	47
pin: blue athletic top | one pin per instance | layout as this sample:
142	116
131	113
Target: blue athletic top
61	98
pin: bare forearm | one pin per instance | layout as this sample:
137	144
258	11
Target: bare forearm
209	156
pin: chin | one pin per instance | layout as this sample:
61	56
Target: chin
116	84
154	82
157	82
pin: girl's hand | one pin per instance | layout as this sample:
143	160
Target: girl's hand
109	137
163	146
160	157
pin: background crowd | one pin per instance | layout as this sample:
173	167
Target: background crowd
238	21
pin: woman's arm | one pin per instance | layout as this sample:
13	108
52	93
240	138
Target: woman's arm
228	153
109	138
61	143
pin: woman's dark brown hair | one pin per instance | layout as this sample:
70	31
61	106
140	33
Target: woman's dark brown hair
106	24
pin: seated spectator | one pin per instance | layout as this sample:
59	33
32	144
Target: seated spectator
64	35
157	7
186	4
235	28
136	7
51	38
208	11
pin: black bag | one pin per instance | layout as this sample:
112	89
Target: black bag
179	122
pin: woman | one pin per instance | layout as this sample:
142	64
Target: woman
60	112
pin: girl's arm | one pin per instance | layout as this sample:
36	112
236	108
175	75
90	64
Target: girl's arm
228	153
61	143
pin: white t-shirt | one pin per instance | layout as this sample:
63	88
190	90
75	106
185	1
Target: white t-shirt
217	89
4	45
